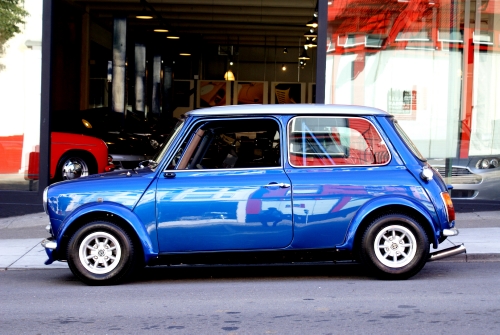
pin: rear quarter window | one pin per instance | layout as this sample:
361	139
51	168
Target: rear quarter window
335	141
408	142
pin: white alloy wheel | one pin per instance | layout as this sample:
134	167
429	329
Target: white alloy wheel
395	246
100	252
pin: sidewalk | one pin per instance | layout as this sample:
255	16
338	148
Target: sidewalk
20	239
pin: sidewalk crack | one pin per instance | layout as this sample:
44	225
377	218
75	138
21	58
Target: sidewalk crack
17	260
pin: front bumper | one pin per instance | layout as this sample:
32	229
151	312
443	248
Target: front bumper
450	232
50	246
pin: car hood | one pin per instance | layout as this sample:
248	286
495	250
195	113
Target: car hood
123	187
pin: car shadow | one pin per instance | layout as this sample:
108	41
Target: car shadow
253	271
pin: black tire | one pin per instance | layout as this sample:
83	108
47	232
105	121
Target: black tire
394	246
101	253
75	165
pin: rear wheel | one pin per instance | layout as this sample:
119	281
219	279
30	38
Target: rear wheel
394	246
101	253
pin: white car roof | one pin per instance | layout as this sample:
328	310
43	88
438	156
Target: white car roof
287	109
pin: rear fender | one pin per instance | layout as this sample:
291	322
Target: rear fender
387	204
124	214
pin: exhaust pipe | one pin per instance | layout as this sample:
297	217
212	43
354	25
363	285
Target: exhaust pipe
455	250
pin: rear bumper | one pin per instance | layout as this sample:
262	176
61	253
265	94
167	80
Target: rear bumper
448	252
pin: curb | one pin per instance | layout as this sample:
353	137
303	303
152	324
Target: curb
472	258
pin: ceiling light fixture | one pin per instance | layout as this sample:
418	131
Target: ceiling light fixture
173	37
314	21
304	55
144	15
184	54
285	50
310	43
159	30
311	33
283	67
229	75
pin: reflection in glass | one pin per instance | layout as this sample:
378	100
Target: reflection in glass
430	65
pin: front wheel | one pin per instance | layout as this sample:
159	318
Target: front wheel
101	253
394	246
73	166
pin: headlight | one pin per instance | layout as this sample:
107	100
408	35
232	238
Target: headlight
484	164
44	199
487	163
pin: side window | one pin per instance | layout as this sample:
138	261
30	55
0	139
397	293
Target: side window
228	144
335	141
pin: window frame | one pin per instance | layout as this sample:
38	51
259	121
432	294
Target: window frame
190	135
288	131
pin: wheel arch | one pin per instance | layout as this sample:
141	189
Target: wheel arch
118	215
371	211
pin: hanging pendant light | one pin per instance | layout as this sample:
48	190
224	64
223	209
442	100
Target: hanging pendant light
144	15
229	75
310	43
304	55
313	22
311	33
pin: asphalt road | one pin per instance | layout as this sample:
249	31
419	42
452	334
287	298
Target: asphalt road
444	298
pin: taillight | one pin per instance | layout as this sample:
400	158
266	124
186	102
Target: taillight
448	204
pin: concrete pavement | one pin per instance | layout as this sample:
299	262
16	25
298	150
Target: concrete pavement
20	238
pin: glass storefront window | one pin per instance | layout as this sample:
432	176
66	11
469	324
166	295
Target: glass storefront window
20	85
434	66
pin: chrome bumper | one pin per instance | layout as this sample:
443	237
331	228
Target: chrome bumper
448	252
450	232
455	250
49	244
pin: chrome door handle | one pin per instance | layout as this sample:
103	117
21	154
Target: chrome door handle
280	185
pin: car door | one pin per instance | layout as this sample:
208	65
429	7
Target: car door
227	190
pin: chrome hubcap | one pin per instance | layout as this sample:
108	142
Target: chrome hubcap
395	246
100	252
74	168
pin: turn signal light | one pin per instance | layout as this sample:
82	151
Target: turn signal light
450	210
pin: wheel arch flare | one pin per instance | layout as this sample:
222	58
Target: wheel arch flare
115	213
386	205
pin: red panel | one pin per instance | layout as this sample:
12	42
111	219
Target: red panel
11	149
468	79
33	166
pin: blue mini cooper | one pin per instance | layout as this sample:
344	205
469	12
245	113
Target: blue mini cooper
259	184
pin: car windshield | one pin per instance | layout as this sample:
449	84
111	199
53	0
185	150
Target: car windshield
164	147
408	142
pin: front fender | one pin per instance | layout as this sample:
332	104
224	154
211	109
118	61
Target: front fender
150	250
388	201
